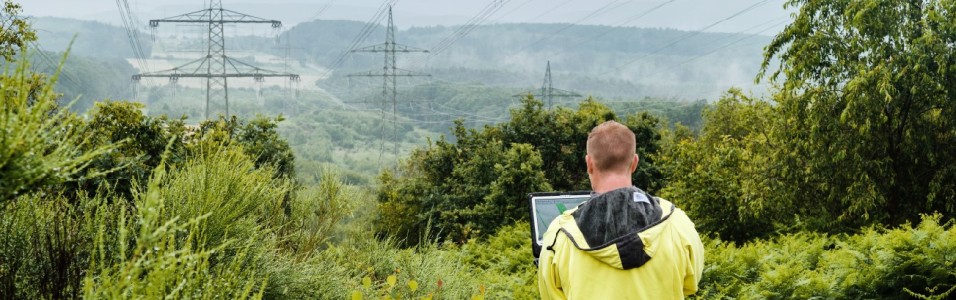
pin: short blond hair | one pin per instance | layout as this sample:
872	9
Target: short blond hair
611	146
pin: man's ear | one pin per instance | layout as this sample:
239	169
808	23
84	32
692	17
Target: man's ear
634	163
587	160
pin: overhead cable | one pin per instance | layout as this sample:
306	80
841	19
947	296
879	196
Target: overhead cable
687	36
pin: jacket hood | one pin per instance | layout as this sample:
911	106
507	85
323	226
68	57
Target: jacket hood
616	227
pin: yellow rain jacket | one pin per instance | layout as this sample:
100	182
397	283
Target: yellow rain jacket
623	244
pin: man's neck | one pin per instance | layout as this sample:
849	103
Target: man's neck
610	182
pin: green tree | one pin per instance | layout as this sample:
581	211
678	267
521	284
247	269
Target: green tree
718	176
15	32
867	111
258	138
142	141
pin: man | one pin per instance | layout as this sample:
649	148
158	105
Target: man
622	243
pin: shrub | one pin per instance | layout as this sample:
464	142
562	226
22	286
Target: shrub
46	243
317	210
906	262
170	257
41	144
223	187
471	186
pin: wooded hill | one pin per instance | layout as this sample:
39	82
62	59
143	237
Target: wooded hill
618	62
344	125
604	61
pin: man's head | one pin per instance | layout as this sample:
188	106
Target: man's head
611	150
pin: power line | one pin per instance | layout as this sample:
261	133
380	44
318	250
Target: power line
548	92
463	30
689	35
602	10
389	74
622	23
512	11
133	35
53	64
363	34
321	10
772	26
741	39
549	11
472	23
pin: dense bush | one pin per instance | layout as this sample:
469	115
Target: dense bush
147	210
469	187
902	263
175	254
138	141
716	175
45	244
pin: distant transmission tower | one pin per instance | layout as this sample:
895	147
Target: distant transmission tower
216	66
389	72
548	92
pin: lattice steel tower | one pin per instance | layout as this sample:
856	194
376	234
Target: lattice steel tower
548	92
390	71
216	67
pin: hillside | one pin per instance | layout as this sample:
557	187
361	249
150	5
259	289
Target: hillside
88	38
616	62
477	81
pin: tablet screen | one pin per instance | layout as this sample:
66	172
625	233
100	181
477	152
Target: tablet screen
547	206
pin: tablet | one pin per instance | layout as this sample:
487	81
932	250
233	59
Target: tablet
547	206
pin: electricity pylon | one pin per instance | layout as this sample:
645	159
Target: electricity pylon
548	92
215	67
390	71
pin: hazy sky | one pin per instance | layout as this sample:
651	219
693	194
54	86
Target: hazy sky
766	15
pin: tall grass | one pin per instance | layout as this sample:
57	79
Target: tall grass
45	244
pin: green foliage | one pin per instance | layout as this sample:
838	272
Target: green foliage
317	210
15	32
718	176
506	264
141	142
258	138
46	243
41	144
903	263
219	232
686	113
499	268
470	188
174	255
867	112
228	196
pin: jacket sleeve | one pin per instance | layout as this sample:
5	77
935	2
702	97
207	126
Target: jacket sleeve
549	285
695	262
